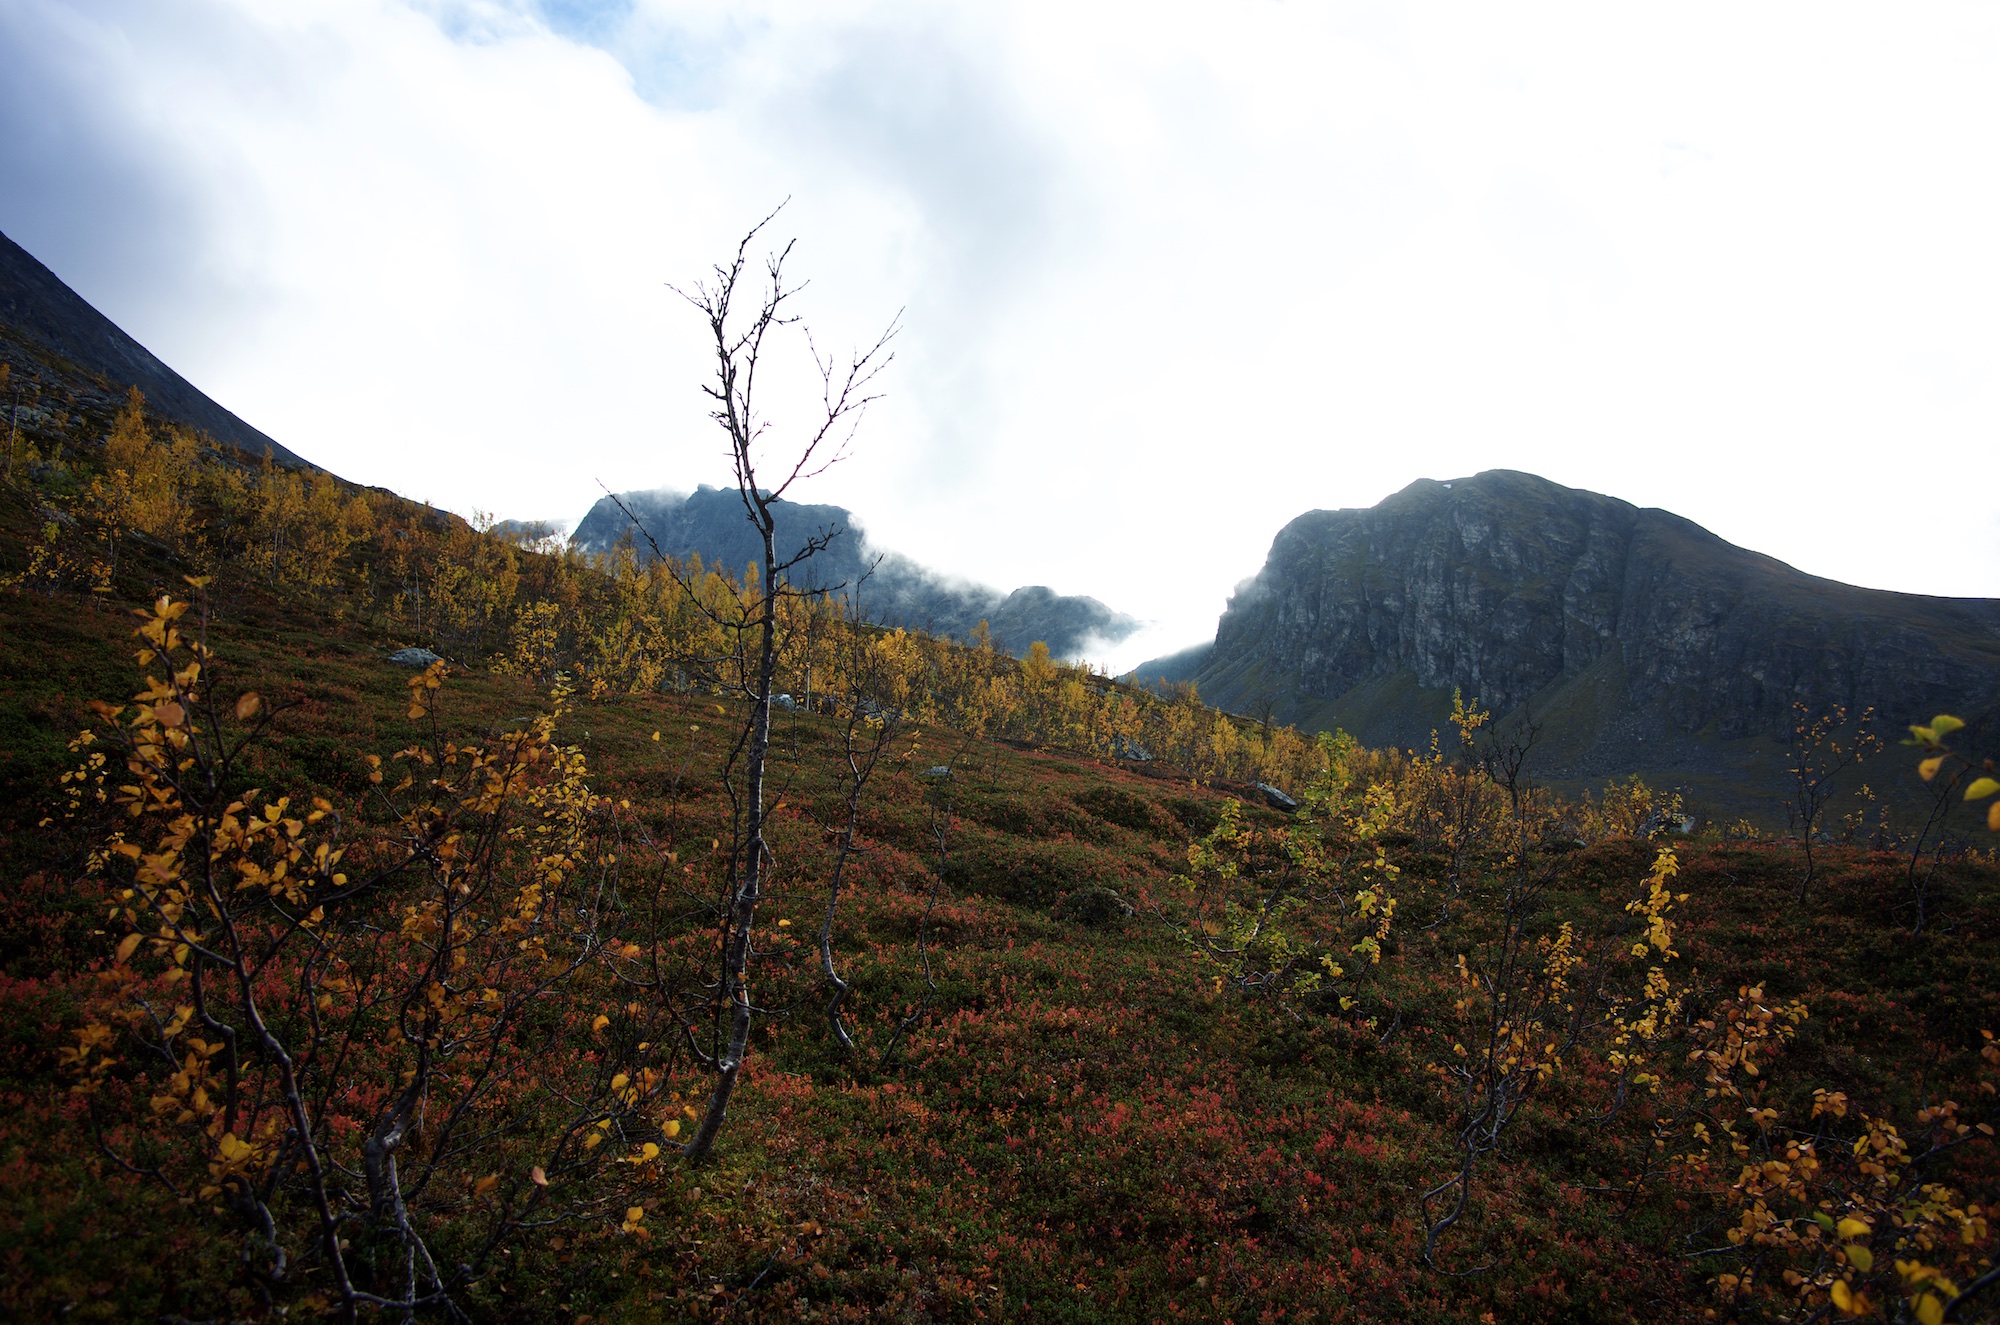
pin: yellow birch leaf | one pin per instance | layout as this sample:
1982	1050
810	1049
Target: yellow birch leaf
486	1184
1944	725
1981	788
1928	769
1993	816
127	947
536	1176
1860	1258
247	706
1843	1296
1930	1311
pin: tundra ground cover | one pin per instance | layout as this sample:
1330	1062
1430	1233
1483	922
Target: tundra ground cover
1085	1128
1726	1104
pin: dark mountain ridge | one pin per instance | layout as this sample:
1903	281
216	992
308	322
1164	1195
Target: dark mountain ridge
37	307
883	587
1639	639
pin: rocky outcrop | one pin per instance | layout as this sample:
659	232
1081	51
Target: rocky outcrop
1639	638
882	587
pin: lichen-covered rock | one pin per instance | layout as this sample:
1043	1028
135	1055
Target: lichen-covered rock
1125	748
414	658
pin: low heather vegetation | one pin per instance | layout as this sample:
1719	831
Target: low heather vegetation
668	946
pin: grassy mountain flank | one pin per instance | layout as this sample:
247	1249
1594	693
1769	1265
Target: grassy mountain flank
40	316
1057	1016
1085	1122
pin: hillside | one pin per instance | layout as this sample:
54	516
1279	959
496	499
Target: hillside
344	981
1640	640
38	313
880	586
1059	1109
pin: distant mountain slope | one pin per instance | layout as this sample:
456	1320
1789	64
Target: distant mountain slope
893	591
1171	669
1639	638
38	307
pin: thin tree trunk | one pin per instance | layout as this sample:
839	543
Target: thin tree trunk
747	889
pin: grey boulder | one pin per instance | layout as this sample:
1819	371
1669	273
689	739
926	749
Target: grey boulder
1278	799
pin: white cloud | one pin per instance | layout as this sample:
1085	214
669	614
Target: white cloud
1172	275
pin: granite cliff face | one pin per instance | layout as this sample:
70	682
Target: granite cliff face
1637	637
883	587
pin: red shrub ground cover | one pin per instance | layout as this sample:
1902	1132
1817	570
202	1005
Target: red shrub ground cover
1083	1125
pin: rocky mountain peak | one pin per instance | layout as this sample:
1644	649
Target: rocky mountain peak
880	586
1637	636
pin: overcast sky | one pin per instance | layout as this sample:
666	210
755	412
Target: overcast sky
1169	275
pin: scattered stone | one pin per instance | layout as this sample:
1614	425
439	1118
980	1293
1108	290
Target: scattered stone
1659	822
938	771
414	658
1278	799
785	702
1122	748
